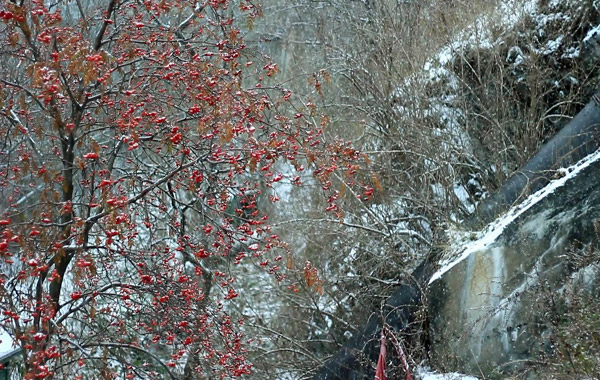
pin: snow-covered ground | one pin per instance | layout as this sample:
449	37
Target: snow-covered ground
424	373
446	376
487	236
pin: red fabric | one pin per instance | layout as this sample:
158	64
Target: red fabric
400	353
404	362
380	371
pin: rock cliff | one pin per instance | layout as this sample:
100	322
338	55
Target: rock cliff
485	312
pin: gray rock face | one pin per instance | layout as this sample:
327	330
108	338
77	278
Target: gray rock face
481	309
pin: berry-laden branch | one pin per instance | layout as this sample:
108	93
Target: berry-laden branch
138	145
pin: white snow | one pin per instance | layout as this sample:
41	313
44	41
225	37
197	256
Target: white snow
6	343
463	196
591	33
447	376
487	236
552	45
424	373
478	34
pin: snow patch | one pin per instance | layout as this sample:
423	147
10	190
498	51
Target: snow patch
6	344
552	45
591	33
489	235
424	373
463	196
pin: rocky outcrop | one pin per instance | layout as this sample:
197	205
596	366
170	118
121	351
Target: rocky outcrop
483	319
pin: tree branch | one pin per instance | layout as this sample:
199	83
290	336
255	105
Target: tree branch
149	188
109	11
135	348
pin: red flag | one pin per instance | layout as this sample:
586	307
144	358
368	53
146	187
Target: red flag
404	362
400	353
380	371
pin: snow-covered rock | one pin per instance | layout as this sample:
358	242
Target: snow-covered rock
482	301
